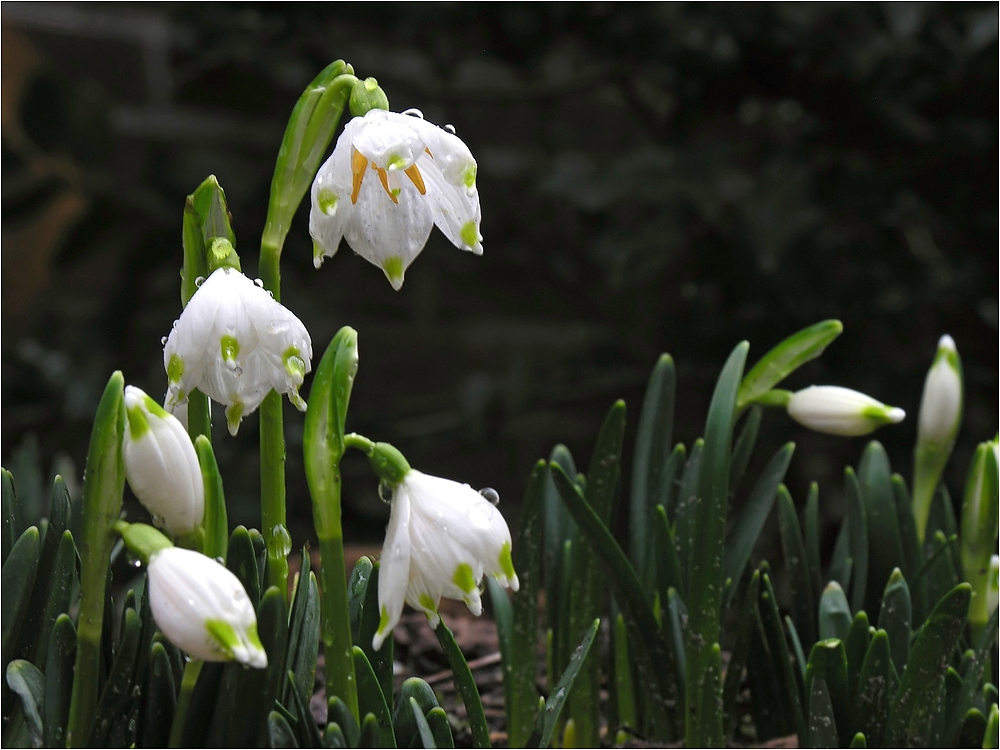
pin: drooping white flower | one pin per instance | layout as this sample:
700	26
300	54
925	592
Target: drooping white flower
203	608
840	411
391	177
941	405
443	537
235	343
161	465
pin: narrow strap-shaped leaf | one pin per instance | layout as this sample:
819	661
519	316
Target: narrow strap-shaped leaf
242	561
834	613
810	537
875	690
338	713
279	731
797	566
687	506
907	527
303	633
371	734
216	523
991	737
841	563
466	686
857	524
771	710
674	619
668	574
371	699
308	729
972	676
558	531
885	546
197	703
588	589
18	577
426	735
859	741
10	528
856	646
28	683
703	719
653	657
548	715
896	617
822	723
797	651
670	482
160	699
737	661
917	699
828	661
118	687
743	447
333	737
750	522
623	679
520	663
405	727
973	730
653	443
380	661
59	660
774	635
437	719
357	587
786	357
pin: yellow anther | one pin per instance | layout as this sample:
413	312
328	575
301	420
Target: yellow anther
416	178
358	166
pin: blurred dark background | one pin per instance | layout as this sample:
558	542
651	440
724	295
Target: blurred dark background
654	177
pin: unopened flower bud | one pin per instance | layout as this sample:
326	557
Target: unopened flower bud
161	465
203	608
941	405
840	411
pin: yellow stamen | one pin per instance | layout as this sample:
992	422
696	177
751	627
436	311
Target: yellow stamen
358	166
384	179
416	178
428	152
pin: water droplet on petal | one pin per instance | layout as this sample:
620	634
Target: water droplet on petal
199	281
385	492
237	371
174	324
414	112
163	341
490	494
259	282
450	128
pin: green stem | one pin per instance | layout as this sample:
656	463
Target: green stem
272	487
466	685
337	643
191	671
199	415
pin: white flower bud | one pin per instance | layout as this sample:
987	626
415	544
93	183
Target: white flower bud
203	608
993	586
392	177
941	405
840	411
235	343
161	465
443	537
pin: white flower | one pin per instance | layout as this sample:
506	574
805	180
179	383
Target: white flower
442	538
993	585
840	411
235	343
391	177
203	608
161	465
941	405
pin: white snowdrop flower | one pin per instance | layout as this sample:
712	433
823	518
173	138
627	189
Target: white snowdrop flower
941	405
161	465
993	586
235	343
443	537
391	177
203	608
840	411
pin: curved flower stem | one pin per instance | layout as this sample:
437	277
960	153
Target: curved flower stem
191	671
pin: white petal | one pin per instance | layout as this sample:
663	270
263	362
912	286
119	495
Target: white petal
331	199
389	139
394	568
455	209
452	156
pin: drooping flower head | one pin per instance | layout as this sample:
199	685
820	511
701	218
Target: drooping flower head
840	411
443	537
161	465
392	177
203	608
235	343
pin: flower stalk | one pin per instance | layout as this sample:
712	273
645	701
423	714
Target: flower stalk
323	446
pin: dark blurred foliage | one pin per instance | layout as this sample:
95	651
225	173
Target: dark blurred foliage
653	177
